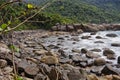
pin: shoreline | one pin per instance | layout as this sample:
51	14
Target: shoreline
34	56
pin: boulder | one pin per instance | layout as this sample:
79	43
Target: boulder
108	70
7	70
98	42
79	31
3	63
62	53
98	37
116	77
115	44
99	61
45	68
54	28
109	53
96	70
85	37
77	74
118	60
111	35
77	26
83	50
96	50
89	28
4	48
93	33
69	28
54	74
50	60
90	54
31	71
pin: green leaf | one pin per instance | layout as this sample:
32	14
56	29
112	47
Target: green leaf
1	29
9	22
30	6
19	78
14	48
4	26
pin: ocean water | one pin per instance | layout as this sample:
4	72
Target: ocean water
67	43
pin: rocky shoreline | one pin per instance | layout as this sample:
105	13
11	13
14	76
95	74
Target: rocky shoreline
36	61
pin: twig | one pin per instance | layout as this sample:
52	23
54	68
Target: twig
7	3
29	17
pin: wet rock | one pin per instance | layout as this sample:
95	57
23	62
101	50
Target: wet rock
85	37
96	50
93	33
99	61
118	60
83	50
96	70
76	50
115	44
98	42
109	53
41	77
92	55
3	63
98	37
62	53
50	60
108	69
92	77
61	38
111	35
31	71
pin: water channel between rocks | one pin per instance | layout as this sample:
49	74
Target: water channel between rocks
69	42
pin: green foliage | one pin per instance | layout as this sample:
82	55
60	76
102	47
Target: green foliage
87	11
19	78
14	48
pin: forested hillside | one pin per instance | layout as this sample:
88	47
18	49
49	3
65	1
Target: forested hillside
86	11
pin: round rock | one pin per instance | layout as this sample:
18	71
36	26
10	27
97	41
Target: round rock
99	61
3	63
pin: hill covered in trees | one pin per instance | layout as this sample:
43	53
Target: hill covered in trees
86	11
